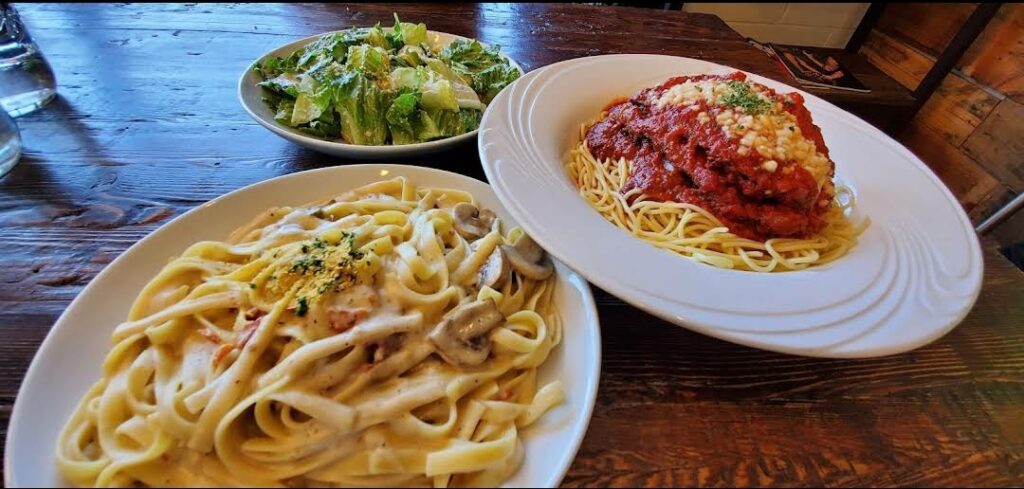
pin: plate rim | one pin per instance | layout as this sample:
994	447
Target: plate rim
346	149
670	312
569	276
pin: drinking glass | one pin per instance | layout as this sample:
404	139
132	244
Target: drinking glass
26	79
10	143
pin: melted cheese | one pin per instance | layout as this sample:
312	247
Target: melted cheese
773	134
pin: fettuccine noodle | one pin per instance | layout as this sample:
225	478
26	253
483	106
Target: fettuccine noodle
388	337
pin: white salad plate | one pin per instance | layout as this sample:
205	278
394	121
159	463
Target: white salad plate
69	360
250	94
913	276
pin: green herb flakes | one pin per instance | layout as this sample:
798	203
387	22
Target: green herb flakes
743	96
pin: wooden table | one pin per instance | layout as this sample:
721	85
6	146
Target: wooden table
148	126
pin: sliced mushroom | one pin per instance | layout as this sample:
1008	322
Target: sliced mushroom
495	271
461	338
529	259
385	347
470	221
488	217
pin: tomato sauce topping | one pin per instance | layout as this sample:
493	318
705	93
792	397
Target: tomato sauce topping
709	151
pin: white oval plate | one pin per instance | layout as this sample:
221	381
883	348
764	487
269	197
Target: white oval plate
251	97
69	360
913	276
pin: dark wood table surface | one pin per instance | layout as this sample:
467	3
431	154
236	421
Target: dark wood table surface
148	126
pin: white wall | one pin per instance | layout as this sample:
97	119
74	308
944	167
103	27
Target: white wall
801	24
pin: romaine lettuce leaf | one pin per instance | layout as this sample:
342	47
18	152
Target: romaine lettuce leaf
411	56
485	69
361	108
305	110
371	60
437	124
284	112
274	66
404	78
329	47
489	82
372	87
323	72
285	83
402	118
326	49
407	33
312	102
325	127
376	37
465	96
471	56
444	70
412	34
437	93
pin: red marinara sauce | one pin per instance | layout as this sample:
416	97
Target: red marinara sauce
681	153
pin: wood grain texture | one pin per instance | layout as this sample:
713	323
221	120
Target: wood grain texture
551	34
957	108
1011	231
679	409
996	58
928	25
978	191
897	59
985	173
147	126
998	144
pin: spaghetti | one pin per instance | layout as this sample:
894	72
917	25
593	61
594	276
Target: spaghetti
717	170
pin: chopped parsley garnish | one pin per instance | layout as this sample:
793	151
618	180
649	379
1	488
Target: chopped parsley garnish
324	287
322	266
306	264
354	252
743	96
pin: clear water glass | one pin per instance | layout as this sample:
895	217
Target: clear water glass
10	143
26	79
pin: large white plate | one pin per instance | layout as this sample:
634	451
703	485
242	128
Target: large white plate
913	276
251	97
69	360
